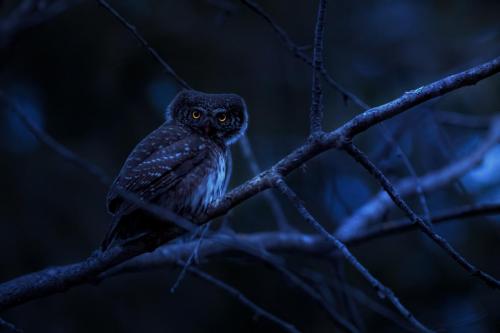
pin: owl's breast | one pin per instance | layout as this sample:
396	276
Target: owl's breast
204	185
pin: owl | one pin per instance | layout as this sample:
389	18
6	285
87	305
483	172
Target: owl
184	166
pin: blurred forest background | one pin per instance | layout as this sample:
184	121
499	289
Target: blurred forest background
83	78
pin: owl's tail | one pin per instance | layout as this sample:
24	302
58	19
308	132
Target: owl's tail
139	227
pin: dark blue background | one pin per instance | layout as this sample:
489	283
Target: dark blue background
84	79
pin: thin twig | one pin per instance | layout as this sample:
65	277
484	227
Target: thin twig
381	290
400	226
418	184
362	159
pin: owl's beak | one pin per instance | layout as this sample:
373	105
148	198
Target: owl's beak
208	129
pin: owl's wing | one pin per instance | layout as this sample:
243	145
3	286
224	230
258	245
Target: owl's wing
153	167
229	169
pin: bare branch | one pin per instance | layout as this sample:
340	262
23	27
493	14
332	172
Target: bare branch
396	227
378	205
316	116
381	290
362	159
282	241
288	241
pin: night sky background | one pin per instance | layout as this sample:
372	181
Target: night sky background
83	78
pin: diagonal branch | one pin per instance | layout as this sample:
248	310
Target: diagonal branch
362	159
381	290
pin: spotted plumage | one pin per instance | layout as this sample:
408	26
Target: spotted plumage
184	166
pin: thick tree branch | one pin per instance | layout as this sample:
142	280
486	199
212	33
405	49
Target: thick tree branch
279	242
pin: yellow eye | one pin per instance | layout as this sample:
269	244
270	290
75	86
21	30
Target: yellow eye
222	117
196	114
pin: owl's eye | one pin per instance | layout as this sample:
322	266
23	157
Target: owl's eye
196	114
222	117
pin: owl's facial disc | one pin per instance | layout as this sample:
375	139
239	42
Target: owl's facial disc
218	116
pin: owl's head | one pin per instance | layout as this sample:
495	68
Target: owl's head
218	116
